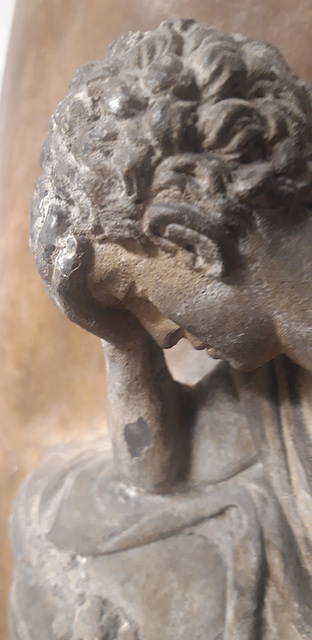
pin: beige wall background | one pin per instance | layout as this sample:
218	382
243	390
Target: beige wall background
6	16
52	384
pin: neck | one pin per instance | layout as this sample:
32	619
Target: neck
296	340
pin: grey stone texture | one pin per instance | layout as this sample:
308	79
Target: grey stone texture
175	202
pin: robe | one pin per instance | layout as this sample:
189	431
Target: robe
225	557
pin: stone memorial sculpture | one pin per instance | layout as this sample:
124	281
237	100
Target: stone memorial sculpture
176	201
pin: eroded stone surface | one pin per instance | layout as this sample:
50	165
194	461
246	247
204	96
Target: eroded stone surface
176	190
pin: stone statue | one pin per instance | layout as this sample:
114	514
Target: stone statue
176	201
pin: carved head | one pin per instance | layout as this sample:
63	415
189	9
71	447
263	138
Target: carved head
176	176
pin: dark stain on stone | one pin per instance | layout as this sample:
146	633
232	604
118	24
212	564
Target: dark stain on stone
138	437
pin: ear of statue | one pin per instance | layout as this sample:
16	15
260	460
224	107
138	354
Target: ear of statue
201	251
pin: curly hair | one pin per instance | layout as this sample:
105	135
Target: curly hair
182	126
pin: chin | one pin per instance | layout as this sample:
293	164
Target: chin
244	367
216	354
250	365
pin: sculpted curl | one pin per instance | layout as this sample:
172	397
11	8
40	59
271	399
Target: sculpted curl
138	131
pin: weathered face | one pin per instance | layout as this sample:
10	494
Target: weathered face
172	300
223	318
